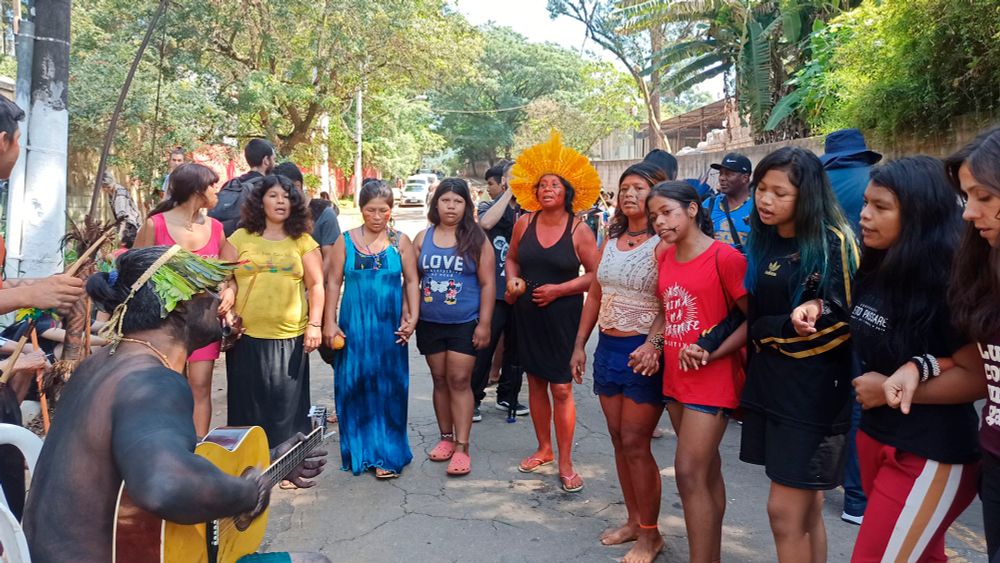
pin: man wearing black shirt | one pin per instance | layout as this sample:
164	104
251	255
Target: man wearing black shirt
497	218
260	157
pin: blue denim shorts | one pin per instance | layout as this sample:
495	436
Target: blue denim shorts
707	409
613	377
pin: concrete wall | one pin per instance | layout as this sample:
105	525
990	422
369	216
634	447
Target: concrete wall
694	165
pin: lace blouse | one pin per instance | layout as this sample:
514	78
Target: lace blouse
628	287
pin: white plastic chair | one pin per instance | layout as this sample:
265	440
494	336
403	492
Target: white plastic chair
15	544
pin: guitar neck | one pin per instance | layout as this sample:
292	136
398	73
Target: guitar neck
290	459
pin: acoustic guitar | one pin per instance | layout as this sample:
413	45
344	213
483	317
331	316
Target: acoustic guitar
143	537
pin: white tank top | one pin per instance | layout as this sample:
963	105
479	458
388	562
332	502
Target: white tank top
628	287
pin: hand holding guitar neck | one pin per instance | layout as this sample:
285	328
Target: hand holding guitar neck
310	467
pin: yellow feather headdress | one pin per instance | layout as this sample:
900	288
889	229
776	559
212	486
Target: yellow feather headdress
552	157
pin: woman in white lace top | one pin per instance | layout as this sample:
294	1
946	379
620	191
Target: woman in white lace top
627	377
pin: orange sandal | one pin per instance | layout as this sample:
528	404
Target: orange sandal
443	450
461	463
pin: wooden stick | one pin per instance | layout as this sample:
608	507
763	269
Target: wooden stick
41	388
71	271
8	369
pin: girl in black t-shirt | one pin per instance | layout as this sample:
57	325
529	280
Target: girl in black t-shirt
974	172
801	256
924	462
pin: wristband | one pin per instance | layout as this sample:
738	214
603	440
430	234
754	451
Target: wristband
935	367
923	366
657	342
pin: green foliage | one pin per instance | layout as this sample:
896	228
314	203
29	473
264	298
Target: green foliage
898	66
755	44
270	68
605	103
481	112
685	102
398	133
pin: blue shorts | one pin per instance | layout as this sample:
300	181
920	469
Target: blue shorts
613	377
273	557
707	409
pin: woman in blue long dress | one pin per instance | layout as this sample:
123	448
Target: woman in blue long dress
371	373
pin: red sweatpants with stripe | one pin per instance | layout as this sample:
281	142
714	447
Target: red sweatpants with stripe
911	503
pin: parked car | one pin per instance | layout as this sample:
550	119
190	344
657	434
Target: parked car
416	192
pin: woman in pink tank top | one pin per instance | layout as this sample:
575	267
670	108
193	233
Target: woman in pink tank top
180	219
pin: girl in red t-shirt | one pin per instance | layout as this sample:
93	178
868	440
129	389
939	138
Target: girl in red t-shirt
700	280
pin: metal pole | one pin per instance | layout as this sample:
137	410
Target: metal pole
324	123
44	203
24	46
359	129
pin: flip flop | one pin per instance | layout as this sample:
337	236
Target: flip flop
532	464
442	451
567	479
460	464
385	473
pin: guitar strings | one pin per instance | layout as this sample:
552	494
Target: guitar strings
297	455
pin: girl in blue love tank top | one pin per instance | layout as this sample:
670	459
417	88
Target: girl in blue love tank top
457	289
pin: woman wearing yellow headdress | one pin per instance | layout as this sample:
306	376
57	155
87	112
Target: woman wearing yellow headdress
546	288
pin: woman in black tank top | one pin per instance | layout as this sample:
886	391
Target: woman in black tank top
547	251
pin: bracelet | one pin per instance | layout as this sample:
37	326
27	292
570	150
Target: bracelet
934	365
316	325
657	341
923	366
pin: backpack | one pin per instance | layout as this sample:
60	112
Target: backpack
231	198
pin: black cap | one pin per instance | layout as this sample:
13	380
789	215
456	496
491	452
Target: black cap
736	162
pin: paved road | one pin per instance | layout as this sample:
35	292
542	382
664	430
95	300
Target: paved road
499	514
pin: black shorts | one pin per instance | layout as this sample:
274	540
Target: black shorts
796	456
433	338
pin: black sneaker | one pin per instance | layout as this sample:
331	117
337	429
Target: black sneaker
476	415
520	409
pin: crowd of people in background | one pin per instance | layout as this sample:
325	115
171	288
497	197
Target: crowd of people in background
843	310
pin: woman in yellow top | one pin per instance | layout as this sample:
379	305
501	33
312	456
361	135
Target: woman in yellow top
267	371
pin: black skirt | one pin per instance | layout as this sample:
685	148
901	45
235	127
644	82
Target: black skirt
268	386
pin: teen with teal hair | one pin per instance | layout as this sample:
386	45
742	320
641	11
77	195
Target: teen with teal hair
801	258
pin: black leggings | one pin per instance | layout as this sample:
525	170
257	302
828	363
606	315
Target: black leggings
989	493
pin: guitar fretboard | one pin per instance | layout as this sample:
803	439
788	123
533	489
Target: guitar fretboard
281	466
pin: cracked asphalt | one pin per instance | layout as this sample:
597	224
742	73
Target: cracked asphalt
498	514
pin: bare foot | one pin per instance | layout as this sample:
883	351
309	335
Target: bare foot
646	548
617	536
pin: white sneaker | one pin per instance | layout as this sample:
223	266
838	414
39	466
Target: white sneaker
851	519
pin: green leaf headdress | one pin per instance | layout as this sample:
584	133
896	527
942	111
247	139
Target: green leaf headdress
177	275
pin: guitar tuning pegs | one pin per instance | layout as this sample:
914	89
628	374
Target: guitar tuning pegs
317	414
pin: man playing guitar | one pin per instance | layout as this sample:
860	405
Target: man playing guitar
126	415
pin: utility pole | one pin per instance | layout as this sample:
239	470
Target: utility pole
358	131
24	43
324	123
43	212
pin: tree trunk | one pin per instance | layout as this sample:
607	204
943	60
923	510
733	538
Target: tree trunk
48	138
656	139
